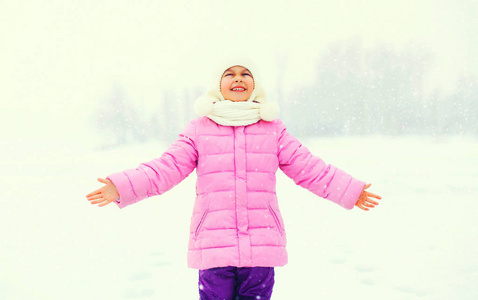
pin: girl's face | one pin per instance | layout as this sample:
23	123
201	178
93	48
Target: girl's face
237	84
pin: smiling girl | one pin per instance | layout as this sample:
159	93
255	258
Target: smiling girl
237	235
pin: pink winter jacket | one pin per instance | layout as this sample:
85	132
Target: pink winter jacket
236	219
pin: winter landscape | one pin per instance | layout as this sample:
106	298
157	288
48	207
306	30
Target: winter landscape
387	91
419	243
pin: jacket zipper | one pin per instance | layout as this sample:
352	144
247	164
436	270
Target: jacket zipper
276	219
200	223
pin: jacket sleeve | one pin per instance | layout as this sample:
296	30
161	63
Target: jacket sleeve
159	175
310	172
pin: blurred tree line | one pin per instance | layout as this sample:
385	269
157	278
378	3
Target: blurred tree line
120	123
355	91
358	91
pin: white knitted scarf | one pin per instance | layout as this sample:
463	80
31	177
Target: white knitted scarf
230	113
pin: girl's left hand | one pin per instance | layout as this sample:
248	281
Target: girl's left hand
364	202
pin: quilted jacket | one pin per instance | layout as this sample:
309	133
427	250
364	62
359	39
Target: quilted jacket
236	219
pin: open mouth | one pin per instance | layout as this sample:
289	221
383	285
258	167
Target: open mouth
238	89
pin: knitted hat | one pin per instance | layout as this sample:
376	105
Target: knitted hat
204	105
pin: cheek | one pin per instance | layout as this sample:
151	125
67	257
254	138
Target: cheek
224	85
250	83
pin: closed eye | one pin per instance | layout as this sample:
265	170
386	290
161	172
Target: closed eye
230	74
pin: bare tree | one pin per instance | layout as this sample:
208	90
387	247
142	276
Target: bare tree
118	121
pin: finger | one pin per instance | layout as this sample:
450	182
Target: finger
94	193
367	186
373	195
103	180
95	197
105	203
362	207
372	201
97	201
368	205
98	196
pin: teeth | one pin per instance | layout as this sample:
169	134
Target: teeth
238	89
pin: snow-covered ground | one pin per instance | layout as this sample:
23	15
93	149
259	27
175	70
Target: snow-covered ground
421	242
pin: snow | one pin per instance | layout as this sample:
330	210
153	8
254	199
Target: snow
420	243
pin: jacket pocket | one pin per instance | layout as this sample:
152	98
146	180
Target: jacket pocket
276	219
203	217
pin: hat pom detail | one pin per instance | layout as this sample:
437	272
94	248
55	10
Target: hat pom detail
204	105
269	111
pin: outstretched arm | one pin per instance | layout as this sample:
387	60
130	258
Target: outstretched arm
151	178
364	201
104	195
312	173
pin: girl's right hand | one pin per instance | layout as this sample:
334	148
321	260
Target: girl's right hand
104	195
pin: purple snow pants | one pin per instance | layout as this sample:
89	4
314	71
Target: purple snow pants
232	283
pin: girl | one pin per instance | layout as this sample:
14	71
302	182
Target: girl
237	234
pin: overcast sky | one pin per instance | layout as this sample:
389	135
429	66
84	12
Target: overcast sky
60	58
